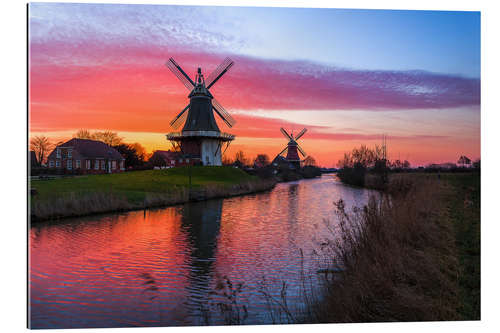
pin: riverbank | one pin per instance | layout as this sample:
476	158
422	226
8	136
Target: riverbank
464	206
92	194
413	256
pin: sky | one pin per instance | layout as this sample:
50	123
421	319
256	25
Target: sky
348	76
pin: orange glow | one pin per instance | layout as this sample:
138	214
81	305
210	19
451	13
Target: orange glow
138	99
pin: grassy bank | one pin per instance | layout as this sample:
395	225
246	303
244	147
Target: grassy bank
464	209
409	256
83	195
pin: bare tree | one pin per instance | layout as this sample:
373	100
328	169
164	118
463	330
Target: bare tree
226	160
309	161
140	151
83	134
175	146
108	137
41	145
261	160
363	156
241	158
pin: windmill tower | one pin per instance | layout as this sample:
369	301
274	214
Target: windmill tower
293	148
200	139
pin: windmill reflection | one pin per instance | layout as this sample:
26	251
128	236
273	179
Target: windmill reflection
293	203
201	223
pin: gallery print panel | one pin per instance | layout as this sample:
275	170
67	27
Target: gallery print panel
203	165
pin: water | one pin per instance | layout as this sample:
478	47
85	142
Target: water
160	267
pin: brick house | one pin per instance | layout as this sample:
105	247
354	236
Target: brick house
86	156
167	158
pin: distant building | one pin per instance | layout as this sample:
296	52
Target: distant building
281	162
87	156
167	158
442	166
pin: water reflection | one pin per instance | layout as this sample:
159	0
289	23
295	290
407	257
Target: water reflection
201	223
158	267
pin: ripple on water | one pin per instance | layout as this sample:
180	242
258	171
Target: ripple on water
160	267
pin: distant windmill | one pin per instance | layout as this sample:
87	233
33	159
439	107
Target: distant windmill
201	139
293	147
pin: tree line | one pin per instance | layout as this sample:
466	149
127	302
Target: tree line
354	165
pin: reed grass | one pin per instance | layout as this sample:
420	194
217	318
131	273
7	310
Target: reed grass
396	259
138	190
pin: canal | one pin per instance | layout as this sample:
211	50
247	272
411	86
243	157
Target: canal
170	266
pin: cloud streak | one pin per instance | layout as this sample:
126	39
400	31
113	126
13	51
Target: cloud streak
102	67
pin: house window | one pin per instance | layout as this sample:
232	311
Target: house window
58	164
69	164
88	164
187	160
70	153
113	165
78	164
122	165
96	165
172	162
180	160
103	165
51	164
58	152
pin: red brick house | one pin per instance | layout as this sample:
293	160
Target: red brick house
167	158
86	156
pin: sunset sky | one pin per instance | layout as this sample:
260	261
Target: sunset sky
349	76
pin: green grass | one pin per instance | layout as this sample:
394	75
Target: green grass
136	185
464	208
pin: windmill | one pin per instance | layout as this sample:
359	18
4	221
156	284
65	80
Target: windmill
200	139
293	147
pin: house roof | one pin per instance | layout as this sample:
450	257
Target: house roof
279	159
91	149
167	154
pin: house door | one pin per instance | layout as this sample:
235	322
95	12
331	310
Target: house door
109	166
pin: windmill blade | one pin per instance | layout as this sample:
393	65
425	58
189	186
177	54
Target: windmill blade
180	118
285	133
219	109
181	75
301	151
221	116
283	151
218	72
300	134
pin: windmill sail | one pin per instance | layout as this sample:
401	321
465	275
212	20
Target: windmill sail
285	133
180	118
198	118
283	150
223	113
301	133
292	148
218	72
181	75
301	151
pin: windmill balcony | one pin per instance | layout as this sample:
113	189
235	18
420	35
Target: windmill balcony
200	134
